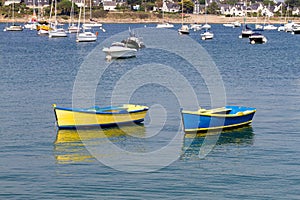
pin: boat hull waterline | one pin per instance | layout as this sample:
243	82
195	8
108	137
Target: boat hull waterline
70	118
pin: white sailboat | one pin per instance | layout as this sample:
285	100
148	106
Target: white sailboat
184	28
73	28
164	24
92	23
84	36
206	25
13	27
207	35
56	31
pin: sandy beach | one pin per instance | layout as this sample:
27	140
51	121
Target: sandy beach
189	19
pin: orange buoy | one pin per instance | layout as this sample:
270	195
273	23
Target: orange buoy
97	33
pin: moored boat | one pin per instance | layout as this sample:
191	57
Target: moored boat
119	50
68	118
257	38
216	119
184	30
207	35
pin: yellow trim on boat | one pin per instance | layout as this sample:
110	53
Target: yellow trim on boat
204	112
216	128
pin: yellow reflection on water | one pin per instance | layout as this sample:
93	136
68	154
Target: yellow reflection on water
69	146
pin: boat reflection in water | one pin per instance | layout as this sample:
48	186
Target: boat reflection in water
192	143
70	146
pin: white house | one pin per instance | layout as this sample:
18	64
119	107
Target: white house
109	5
295	11
7	3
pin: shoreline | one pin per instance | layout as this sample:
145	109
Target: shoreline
189	19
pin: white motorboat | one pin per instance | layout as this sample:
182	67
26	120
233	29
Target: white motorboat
230	25
289	26
57	32
119	50
236	24
270	27
86	36
195	27
257	38
74	28
246	32
184	30
296	29
165	25
133	41
207	35
13	28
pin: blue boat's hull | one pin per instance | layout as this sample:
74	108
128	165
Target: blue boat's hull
197	122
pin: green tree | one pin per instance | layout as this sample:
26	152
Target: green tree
188	6
213	8
293	3
65	7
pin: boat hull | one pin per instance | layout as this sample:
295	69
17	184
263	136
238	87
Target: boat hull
68	118
201	122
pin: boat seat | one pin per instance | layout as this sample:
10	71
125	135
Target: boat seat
216	110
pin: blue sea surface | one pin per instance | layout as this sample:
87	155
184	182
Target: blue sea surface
260	161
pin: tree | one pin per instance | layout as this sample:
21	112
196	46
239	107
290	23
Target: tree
65	7
293	3
213	8
188	6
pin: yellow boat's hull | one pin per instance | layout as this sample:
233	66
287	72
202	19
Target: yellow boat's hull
74	118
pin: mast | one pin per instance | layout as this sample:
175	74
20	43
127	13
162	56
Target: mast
79	19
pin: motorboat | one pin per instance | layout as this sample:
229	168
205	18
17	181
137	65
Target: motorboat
257	38
246	32
184	30
207	35
13	27
270	27
296	29
133	41
230	25
73	28
237	24
195	27
165	25
119	50
86	36
57	32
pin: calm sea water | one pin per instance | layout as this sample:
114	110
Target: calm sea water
257	162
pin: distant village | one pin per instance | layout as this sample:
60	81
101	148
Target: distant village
220	7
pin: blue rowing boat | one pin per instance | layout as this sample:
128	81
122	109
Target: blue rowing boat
217	118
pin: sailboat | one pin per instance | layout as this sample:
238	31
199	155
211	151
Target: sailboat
13	27
207	35
164	24
184	28
206	25
92	23
73	28
32	23
84	36
56	31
